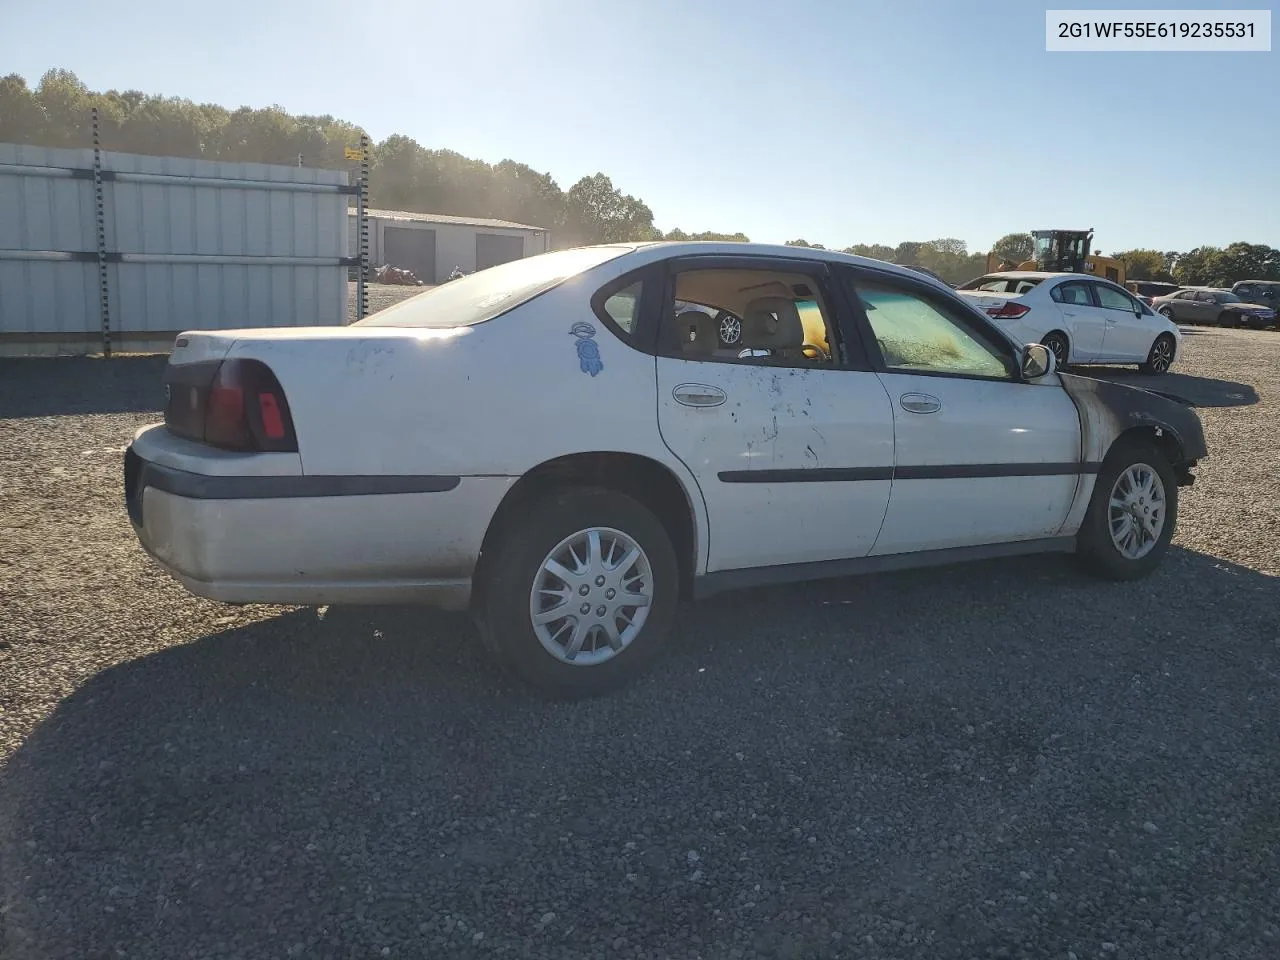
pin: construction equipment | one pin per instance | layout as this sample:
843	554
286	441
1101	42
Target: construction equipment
1064	251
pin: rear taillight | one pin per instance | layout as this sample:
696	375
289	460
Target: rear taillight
237	405
1008	311
247	409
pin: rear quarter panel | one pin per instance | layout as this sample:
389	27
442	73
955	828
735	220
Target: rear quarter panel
496	398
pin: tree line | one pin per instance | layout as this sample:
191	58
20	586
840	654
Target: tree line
405	175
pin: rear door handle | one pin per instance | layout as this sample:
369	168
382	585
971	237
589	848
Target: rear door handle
920	403
699	395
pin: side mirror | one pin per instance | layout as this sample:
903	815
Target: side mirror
1037	361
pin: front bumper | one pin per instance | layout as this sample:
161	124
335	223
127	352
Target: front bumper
240	539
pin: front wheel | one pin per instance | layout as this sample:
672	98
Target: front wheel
1228	319
581	593
1160	357
1132	515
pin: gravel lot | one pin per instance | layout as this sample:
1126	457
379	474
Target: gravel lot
380	296
1003	760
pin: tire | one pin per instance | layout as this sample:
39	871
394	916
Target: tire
1095	547
1228	319
1166	312
1160	357
1059	346
728	329
546	525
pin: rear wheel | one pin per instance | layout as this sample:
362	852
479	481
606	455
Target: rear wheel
1160	358
1058	346
1166	312
581	593
1132	515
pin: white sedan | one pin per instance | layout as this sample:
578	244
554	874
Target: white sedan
1082	319
554	446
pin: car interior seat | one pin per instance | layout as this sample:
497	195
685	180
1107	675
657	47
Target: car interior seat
773	324
697	333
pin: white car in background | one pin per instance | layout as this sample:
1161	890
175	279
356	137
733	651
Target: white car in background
1082	319
563	446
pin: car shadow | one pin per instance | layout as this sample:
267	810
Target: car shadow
345	778
60	386
1190	390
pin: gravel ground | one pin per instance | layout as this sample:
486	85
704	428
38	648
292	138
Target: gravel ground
380	296
1003	760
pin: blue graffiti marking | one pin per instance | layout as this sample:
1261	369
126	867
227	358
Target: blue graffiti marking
588	350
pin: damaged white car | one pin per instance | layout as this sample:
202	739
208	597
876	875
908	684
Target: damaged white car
552	445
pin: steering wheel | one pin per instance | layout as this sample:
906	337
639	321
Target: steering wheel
823	354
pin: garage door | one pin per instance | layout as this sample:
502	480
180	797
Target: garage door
493	249
411	248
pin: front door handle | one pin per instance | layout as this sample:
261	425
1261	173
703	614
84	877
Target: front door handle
699	395
920	403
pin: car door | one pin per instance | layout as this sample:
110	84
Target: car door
980	456
791	444
1206	308
1184	307
1081	318
1129	326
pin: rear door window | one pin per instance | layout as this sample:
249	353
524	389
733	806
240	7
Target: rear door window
1073	293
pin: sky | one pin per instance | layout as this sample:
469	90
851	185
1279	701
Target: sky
835	121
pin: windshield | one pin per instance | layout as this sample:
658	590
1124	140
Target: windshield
485	294
1060	251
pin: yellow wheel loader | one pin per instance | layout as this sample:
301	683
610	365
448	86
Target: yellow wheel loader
1064	251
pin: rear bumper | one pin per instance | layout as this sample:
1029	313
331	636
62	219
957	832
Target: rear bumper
313	540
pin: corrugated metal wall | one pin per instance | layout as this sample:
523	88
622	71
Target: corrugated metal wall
190	244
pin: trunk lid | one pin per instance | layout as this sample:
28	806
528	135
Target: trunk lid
986	300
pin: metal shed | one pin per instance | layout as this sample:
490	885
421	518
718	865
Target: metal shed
97	245
431	245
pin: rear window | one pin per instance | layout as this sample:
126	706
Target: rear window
487	293
1015	285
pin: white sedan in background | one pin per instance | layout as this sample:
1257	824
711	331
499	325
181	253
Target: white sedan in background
566	448
1082	319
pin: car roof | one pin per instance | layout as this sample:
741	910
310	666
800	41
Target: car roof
1035	275
678	248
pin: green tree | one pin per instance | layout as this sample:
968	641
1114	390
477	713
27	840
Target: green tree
875	251
907	252
597	212
68	109
1198	267
678	234
22	116
1144	264
950	246
1248	261
1014	247
805	243
949	259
